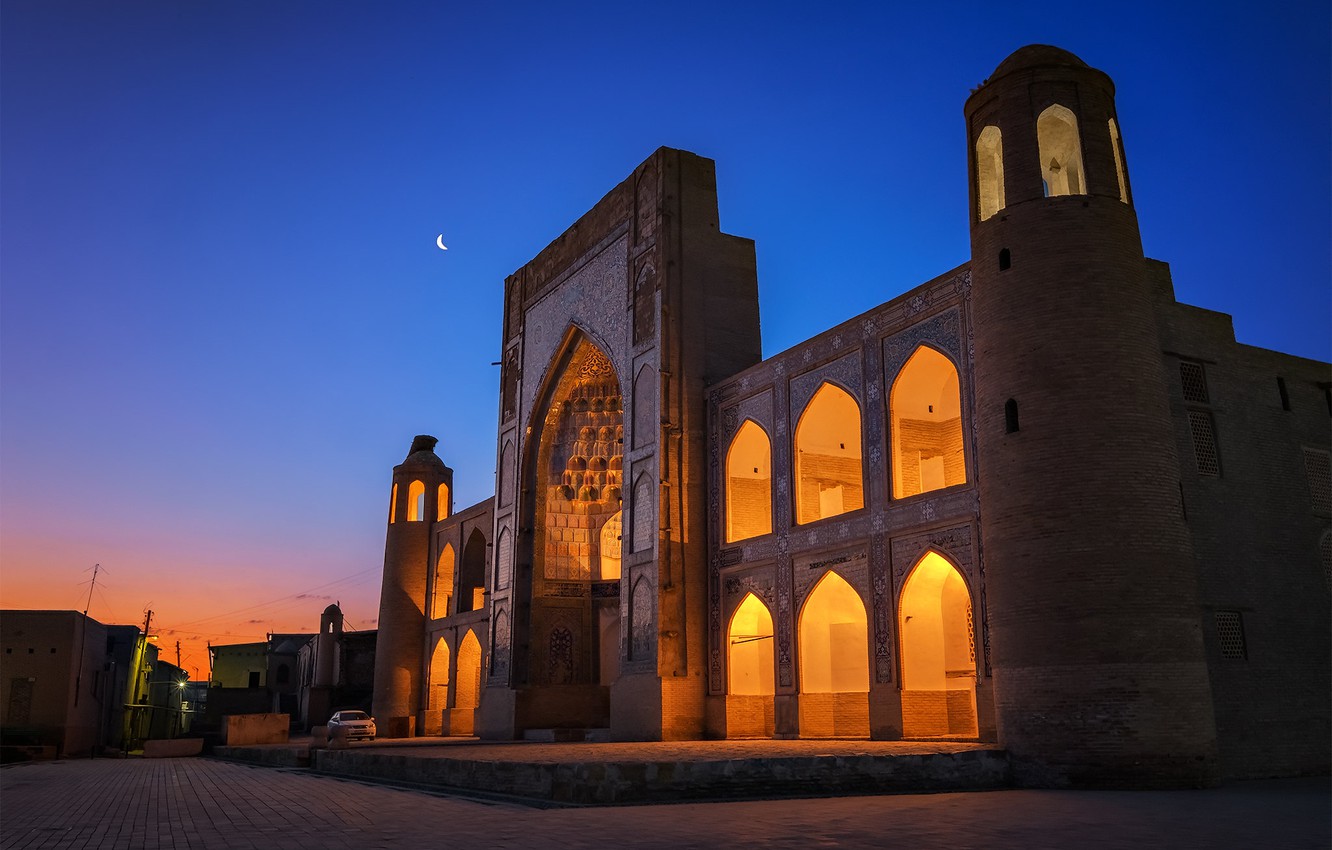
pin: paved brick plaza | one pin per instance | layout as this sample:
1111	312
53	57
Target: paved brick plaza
202	803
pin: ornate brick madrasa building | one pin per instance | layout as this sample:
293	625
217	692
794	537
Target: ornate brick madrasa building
1034	501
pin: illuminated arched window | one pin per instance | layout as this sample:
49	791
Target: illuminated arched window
935	622
748	484
828	473
749	649
469	673
926	422
442	502
393	505
1118	148
1060	152
416	502
989	172
611	546
443	582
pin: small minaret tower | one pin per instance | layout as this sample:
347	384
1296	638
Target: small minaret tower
326	647
1099	670
419	482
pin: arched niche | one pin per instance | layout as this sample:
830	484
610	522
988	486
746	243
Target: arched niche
506	474
833	653
437	698
466	686
416	501
989	172
1061	152
579	464
925	411
444	568
748	483
938	651
829	472
472	578
611	546
749	663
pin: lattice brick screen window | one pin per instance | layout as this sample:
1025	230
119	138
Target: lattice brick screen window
1194	381
1318	466
1230	632
1204	443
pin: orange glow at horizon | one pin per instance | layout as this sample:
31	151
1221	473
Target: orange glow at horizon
235	604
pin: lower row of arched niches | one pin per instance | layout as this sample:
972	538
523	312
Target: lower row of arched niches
455	687
935	638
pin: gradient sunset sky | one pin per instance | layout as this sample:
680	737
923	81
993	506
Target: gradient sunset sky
223	314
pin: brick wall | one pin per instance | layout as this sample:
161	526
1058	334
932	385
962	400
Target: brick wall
749	716
748	507
821	472
929	714
829	715
919	438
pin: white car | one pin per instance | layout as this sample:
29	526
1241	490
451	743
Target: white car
354	725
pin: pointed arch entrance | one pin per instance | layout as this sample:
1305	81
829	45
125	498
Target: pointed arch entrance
834	661
437	696
571	499
749	663
467	687
938	651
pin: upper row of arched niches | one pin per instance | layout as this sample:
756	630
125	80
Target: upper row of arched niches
416	506
1060	149
925	427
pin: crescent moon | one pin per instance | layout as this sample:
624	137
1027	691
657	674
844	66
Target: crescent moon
439	240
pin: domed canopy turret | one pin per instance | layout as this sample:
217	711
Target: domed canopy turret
422	454
1037	56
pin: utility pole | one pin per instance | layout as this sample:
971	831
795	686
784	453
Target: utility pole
178	656
91	585
83	636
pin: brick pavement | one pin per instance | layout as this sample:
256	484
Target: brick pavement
202	803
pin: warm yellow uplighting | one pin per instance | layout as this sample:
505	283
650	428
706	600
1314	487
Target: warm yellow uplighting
834	639
1060	152
393	505
938	651
748	484
443	582
926	421
989	172
834	661
829	477
416	502
468	684
442	503
580	466
611	545
438	696
749	649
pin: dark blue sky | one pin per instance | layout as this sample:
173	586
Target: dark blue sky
223	315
